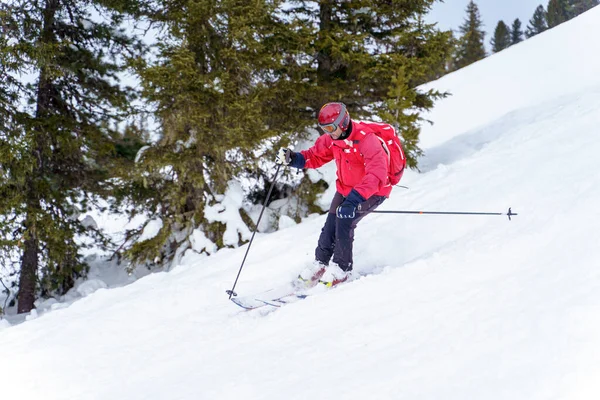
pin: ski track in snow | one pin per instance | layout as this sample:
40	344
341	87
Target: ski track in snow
458	307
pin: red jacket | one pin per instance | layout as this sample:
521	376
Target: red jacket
362	164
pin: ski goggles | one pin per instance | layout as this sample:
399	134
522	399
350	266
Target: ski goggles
332	127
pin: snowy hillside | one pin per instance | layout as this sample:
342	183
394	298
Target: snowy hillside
454	307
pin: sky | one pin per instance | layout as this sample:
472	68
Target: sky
451	13
446	307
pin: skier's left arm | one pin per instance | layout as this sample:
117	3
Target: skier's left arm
376	167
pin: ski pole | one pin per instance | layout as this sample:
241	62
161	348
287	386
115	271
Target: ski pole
509	213
231	292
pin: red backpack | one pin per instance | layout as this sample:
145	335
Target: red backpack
393	148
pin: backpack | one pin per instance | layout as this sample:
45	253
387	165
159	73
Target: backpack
393	148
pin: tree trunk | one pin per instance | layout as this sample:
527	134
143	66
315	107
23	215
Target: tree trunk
29	267
29	260
325	63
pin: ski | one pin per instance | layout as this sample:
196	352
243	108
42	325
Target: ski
290	293
277	297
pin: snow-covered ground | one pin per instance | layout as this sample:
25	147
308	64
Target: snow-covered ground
456	307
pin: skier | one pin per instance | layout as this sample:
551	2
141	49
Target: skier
362	184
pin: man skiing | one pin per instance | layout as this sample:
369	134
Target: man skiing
362	184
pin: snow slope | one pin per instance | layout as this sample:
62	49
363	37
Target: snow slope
456	307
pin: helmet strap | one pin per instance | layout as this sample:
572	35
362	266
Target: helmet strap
346	134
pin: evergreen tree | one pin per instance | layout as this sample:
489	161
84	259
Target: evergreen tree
559	11
580	6
502	37
228	83
56	140
516	33
471	43
367	57
538	23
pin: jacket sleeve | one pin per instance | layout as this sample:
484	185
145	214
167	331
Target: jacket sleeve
320	154
376	167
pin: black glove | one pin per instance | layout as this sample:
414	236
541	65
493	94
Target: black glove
348	208
288	157
284	156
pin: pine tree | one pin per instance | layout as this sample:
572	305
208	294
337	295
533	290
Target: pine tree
516	33
471	43
538	23
56	140
502	37
580	6
228	83
366	57
559	11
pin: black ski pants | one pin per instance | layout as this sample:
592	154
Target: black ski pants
337	235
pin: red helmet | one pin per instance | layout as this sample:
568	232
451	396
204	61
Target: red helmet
333	115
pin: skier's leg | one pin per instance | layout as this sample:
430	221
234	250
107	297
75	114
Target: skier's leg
326	243
344	233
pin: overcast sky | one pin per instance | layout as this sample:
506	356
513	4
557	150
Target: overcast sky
451	13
